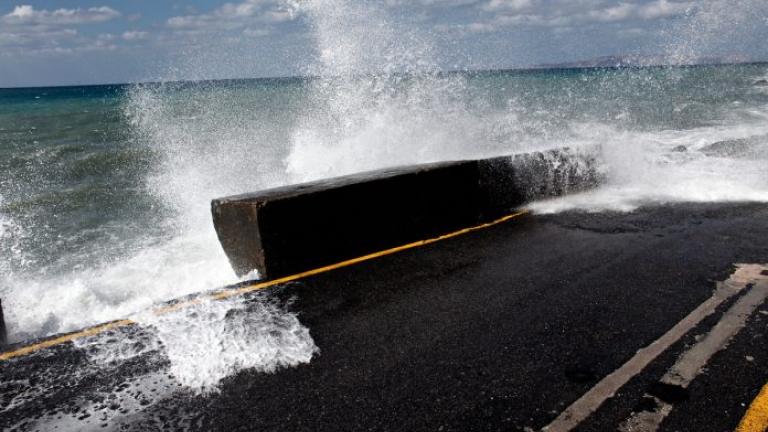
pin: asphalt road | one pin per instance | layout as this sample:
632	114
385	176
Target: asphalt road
500	329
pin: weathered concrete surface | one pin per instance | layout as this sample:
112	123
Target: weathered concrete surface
493	331
296	228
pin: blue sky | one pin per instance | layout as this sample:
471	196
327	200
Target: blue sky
101	41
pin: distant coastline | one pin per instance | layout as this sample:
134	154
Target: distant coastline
603	62
640	60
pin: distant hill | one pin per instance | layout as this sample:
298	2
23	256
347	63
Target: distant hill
637	60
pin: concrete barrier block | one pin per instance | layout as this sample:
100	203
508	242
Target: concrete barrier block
292	229
287	230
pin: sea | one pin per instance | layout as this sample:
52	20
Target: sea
105	190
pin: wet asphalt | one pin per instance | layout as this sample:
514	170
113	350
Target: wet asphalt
496	330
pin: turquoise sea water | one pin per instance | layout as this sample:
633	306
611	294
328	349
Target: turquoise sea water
104	190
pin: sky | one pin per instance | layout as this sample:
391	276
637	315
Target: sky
73	42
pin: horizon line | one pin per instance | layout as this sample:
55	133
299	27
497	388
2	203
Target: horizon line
566	66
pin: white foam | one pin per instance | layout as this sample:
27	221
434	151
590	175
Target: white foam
111	290
212	340
184	353
642	169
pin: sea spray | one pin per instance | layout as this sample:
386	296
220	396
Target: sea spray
124	373
711	29
210	341
672	165
199	145
379	98
643	169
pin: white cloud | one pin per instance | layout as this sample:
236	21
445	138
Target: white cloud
614	13
134	35
232	16
650	11
479	27
11	39
53	42
260	32
500	14
633	32
435	3
28	15
507	5
664	9
30	31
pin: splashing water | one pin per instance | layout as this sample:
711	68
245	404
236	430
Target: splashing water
711	28
181	354
679	165
208	342
379	99
644	169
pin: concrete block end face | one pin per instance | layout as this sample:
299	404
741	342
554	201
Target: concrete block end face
239	232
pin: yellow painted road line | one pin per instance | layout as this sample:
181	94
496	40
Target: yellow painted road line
229	293
225	294
29	349
756	418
